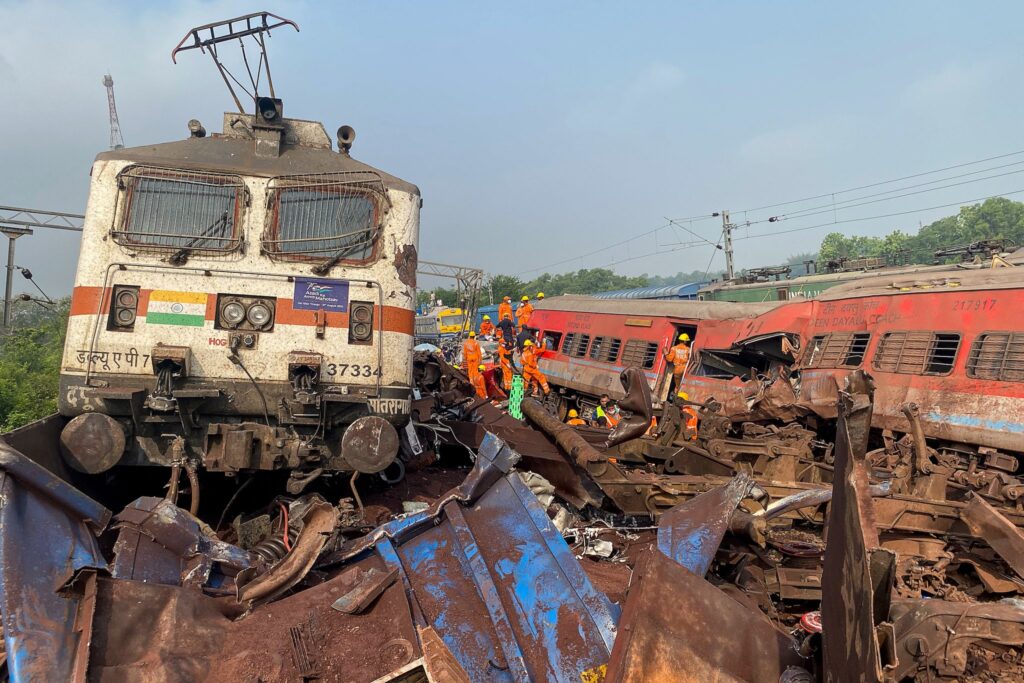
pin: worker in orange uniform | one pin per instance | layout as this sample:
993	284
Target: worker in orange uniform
679	356
531	374
505	360
478	382
690	415
471	356
505	308
524	312
486	327
574	418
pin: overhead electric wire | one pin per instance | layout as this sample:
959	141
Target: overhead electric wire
830	208
841	204
852	202
885	215
619	244
883	182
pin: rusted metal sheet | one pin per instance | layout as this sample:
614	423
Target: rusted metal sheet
676	627
933	639
486	569
994	528
637	402
159	542
48	545
691	532
858	574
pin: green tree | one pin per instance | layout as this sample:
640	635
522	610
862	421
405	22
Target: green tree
30	359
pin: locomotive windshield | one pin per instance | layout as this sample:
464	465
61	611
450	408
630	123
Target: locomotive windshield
318	223
178	209
327	217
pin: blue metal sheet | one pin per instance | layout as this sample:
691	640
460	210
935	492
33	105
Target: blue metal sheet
46	537
691	532
499	584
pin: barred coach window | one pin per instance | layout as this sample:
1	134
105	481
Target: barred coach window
330	217
181	210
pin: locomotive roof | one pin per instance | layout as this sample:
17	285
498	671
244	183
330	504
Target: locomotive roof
655	307
305	149
953	278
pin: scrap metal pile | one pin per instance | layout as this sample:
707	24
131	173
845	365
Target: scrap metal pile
757	552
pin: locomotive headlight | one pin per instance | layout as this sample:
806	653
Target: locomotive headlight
232	314
259	315
125	316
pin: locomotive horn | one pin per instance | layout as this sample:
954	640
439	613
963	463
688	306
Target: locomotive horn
346	136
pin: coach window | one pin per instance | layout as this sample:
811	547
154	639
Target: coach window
579	349
917	353
328	218
569	343
640	353
838	350
997	356
605	349
552	340
178	210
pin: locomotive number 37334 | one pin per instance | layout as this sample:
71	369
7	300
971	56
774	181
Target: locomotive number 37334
354	370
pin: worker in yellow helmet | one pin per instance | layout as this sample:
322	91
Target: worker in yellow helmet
691	416
679	356
532	376
524	312
486	327
574	418
540	296
478	381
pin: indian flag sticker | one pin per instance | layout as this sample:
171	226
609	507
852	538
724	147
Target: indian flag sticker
187	309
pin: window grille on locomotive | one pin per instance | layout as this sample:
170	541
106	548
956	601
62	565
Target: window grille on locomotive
167	209
325	216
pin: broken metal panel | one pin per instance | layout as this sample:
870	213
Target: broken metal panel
691	532
989	524
677	627
858	574
490	573
159	542
47	544
933	638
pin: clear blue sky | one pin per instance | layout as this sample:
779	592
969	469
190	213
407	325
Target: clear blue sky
540	131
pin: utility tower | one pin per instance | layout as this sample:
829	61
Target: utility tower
116	141
727	239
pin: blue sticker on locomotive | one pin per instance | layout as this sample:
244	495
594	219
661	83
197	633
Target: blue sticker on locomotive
313	295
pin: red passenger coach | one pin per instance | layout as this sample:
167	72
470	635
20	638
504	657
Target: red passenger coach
588	342
953	344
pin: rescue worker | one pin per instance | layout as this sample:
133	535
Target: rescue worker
478	381
486	327
471	356
507	330
540	296
574	418
505	360
690	414
524	312
679	356
606	415
505	308
531	374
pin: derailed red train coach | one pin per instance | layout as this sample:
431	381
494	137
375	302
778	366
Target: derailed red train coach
588	342
953	344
